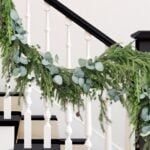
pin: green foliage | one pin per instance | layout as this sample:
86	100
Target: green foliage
123	72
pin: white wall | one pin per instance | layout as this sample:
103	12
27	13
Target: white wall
117	18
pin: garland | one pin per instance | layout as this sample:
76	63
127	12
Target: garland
119	71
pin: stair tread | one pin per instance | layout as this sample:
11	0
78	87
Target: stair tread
33	117
76	141
41	117
37	147
11	94
13	113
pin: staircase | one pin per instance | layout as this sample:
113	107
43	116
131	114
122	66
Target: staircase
40	132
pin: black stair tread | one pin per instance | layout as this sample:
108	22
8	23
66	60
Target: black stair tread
76	141
12	113
33	117
11	94
41	117
37	147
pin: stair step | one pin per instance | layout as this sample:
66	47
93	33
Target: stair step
80	141
11	94
41	117
33	117
14	121
37	147
17	118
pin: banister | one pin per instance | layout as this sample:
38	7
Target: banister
81	22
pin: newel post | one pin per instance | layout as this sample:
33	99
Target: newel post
142	43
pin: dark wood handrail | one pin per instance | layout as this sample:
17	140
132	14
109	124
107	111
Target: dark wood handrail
81	22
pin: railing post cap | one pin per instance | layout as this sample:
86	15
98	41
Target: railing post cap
142	35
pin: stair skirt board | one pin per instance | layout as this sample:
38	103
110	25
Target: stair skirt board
37	125
14	121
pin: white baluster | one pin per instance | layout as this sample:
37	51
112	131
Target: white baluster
47	115
47	126
68	142
7	100
129	140
68	44
88	113
127	133
47	29
108	128
27	117
28	90
28	21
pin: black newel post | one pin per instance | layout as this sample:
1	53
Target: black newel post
142	43
142	40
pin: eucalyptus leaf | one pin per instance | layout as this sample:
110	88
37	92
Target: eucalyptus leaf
14	15
99	66
24	40
142	96
13	38
19	30
58	79
48	57
90	67
16	58
88	81
145	131
82	62
19	22
79	73
45	62
53	70
116	98
16	72
81	81
75	79
145	115
56	58
23	71
90	62
86	88
23	60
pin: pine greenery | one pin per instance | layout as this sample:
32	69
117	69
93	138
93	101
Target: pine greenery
123	72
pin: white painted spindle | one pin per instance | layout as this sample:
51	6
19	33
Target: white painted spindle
7	100
68	142
88	113
47	115
27	117
129	139
127	132
47	29
47	126
108	128
28	21
28	90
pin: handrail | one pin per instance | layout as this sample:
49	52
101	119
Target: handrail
81	22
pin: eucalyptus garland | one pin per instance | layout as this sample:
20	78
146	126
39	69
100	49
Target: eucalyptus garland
123	72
